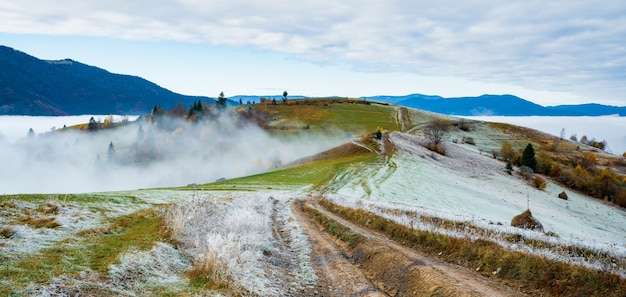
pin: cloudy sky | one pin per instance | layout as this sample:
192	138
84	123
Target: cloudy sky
550	52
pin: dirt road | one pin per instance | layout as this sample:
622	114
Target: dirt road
378	266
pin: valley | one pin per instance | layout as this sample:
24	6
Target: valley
376	215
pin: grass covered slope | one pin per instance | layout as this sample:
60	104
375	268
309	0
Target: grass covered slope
345	115
241	237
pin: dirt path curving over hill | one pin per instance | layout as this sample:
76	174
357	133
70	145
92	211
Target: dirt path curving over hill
377	266
402	118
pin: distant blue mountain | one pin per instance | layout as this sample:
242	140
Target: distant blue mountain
496	105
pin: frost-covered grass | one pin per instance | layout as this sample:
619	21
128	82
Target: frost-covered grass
470	189
231	241
518	269
91	234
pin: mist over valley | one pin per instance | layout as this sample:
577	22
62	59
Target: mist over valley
143	154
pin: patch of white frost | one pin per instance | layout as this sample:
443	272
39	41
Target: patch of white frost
467	186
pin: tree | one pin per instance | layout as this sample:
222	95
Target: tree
562	134
221	101
93	125
507	152
435	133
379	133
31	133
111	151
509	168
528	158
285	94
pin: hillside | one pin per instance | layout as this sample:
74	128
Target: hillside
30	86
497	105
375	214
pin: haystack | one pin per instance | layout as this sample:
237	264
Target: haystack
527	221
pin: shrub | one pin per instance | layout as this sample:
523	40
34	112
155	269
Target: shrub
546	165
620	197
526	172
464	125
7	232
40	222
439	149
506	151
539	182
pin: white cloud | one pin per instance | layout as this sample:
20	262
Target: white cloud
559	46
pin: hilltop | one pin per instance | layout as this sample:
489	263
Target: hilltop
383	211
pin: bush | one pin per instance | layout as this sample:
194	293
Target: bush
526	172
539	182
546	165
620	197
506	151
7	232
438	149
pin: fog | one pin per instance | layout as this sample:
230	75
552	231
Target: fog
609	128
144	155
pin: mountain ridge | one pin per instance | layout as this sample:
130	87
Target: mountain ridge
496	105
30	86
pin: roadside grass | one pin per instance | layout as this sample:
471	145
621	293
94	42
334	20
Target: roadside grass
206	275
93	249
333	227
523	270
536	242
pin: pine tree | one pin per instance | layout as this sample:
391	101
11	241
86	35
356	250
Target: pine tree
528	158
111	151
221	101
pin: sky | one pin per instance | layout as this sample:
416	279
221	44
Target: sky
548	52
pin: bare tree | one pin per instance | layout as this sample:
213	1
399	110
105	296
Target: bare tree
435	133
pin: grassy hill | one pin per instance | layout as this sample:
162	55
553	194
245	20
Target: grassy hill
247	236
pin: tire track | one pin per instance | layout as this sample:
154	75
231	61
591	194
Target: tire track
392	269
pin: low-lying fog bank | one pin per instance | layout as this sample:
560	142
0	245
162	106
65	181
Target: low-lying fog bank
141	154
609	128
